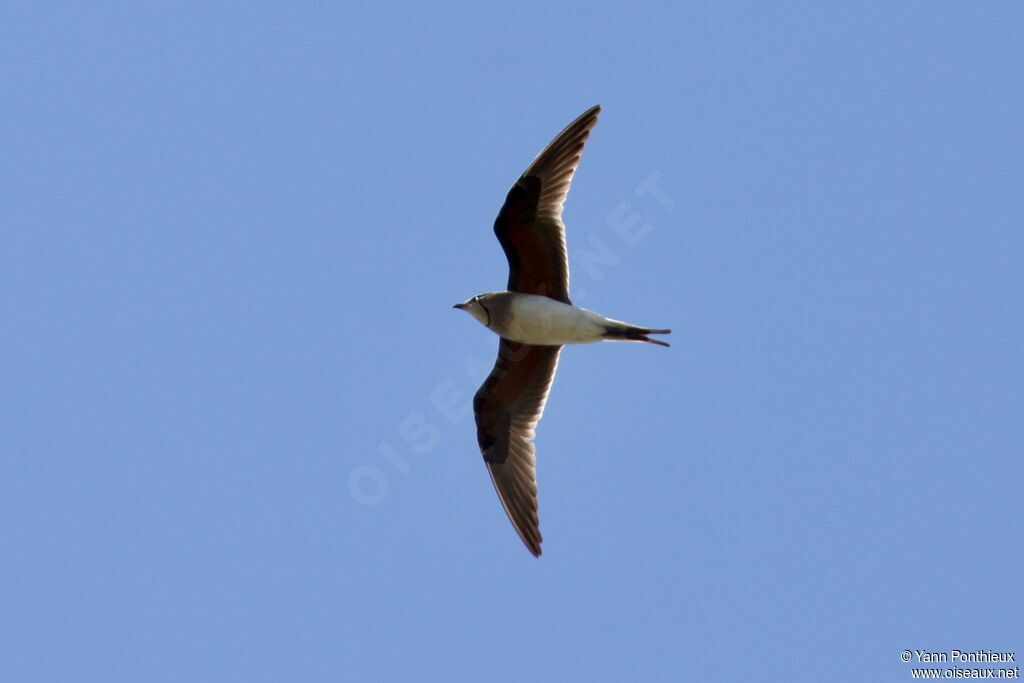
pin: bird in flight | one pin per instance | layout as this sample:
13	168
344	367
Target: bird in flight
534	318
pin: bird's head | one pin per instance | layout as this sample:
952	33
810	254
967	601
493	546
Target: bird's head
476	308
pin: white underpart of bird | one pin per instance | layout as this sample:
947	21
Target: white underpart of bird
535	318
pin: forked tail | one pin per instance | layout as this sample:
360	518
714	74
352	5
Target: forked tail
616	331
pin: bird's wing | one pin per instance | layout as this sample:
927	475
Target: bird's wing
529	225
507	407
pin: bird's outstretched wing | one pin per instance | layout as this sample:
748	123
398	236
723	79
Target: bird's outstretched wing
507	408
529	225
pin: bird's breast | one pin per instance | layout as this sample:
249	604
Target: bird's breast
532	319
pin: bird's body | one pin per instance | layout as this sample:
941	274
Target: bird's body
534	318
540	320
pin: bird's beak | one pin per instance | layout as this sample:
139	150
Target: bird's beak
459	306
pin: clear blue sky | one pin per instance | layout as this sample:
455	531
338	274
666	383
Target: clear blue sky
230	239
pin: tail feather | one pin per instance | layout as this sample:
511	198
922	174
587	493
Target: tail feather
616	331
